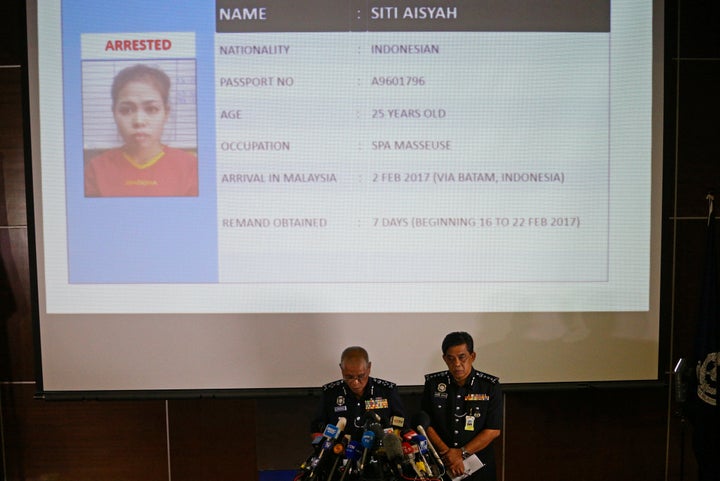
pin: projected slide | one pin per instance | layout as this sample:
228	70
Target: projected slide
345	150
412	156
227	193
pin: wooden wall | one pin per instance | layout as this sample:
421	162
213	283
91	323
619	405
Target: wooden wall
590	434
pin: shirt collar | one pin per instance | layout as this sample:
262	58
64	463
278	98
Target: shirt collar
468	382
369	390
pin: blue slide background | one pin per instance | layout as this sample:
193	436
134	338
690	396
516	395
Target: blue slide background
140	240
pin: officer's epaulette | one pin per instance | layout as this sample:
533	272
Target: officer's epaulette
384	383
487	377
435	375
331	385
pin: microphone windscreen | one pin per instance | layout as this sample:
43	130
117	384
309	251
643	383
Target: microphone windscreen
397	422
368	439
341	423
353	450
372	416
377	429
409	449
408	434
421	442
393	446
331	431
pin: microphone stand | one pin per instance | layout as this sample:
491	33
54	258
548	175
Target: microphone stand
683	421
680	387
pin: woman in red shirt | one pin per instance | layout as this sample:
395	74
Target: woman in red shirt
143	166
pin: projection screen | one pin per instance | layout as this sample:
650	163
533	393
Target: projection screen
332	173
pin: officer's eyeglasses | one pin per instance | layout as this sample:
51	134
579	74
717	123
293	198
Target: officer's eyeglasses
359	378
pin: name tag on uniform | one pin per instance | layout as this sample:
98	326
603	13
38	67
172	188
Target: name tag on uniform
377	403
340	408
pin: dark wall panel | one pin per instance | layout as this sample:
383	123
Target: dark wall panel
698	162
82	441
212	439
16	347
699	28
16	343
12	35
588	434
283	433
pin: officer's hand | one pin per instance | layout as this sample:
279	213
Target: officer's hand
454	462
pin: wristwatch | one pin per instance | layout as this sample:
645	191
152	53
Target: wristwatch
465	453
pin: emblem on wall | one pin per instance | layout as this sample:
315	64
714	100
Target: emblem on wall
707	379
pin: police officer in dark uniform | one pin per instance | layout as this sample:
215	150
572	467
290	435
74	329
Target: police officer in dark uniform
465	408
357	394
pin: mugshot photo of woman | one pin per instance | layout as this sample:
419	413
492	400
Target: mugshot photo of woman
143	166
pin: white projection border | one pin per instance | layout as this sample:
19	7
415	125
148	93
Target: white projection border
236	333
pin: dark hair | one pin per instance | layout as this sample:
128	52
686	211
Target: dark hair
354	352
458	338
141	73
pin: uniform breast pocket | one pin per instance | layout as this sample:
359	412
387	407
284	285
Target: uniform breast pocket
477	409
439	401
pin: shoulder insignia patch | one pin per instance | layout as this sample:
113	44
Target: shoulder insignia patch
383	382
332	385
487	377
436	375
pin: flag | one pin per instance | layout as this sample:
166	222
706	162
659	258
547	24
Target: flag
705	407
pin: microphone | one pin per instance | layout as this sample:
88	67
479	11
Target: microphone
680	381
423	419
371	417
408	434
367	441
339	451
409	453
421	444
379	431
317	444
394	452
332	431
330	434
352	454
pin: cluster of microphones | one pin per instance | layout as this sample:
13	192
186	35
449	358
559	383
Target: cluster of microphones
386	451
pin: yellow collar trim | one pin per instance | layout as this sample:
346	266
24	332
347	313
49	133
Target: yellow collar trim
149	163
